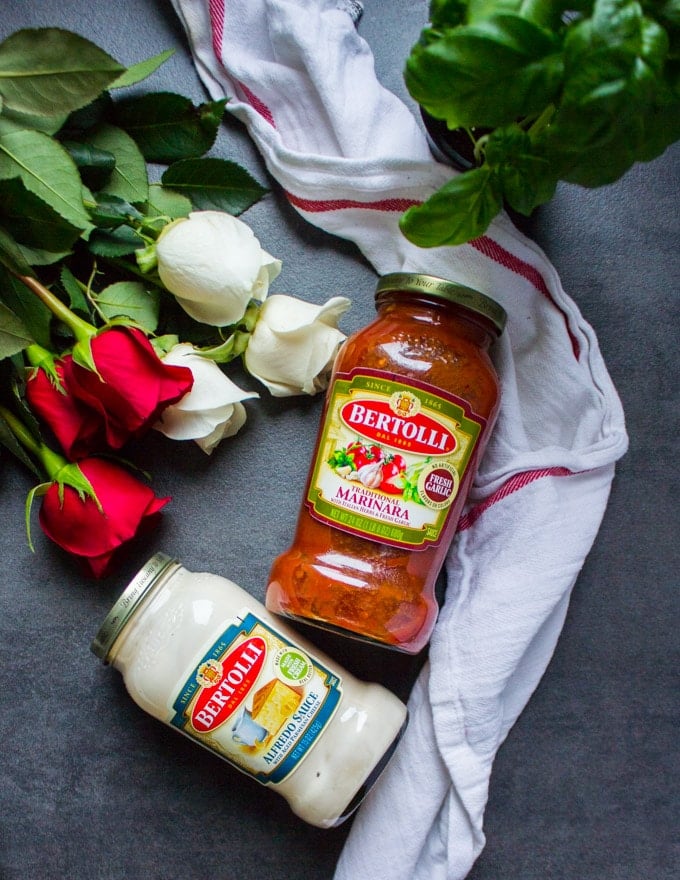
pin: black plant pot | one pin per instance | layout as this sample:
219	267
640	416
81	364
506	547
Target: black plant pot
451	146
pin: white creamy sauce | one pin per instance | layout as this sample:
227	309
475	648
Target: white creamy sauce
199	650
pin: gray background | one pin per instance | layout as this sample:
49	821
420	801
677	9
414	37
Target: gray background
93	788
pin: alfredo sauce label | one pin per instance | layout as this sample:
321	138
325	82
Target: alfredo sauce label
257	700
391	458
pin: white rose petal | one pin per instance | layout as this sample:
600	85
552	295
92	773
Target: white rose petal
294	343
211	411
214	265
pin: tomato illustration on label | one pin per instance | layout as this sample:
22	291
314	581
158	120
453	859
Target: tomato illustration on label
361	455
392	471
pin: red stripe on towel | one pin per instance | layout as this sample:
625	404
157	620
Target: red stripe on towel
313	206
499	254
484	244
518	481
216	10
257	105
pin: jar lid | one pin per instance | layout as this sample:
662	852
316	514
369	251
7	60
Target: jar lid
451	291
118	616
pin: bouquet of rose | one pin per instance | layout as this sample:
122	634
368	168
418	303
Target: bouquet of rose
122	300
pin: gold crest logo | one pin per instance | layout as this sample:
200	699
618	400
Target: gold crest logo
209	673
404	404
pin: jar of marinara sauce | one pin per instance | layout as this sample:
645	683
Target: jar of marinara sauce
408	412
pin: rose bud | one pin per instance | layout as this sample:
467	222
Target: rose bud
214	265
79	429
96	527
131	386
211	411
293	345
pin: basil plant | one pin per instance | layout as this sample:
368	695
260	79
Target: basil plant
548	91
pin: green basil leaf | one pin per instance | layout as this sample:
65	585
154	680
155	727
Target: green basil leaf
613	72
457	213
214	184
486	74
168	127
525	175
137	72
32	221
129	179
47	170
49	71
547	13
130	299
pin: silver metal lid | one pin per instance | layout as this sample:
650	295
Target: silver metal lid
125	606
451	291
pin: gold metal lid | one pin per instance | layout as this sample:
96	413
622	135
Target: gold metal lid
451	291
125	606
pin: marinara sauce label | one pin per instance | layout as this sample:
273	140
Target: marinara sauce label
257	700
391	458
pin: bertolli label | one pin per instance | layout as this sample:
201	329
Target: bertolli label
391	458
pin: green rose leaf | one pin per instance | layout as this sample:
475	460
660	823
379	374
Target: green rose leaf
112	243
12	120
95	165
11	255
34	318
80	121
214	184
112	211
167	203
129	179
47	170
130	299
9	441
48	71
458	212
168	127
14	336
32	221
69	282
137	72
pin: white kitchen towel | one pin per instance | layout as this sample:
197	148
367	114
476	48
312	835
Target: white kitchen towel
350	157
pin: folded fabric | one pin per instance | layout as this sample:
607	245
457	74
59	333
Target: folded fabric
350	157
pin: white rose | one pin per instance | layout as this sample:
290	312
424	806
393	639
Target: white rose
214	265
211	411
292	348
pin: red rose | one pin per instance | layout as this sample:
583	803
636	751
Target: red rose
75	523
79	430
132	385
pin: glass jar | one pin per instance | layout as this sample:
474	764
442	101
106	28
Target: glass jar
408	412
202	655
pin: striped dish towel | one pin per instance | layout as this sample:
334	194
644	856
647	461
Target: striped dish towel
351	157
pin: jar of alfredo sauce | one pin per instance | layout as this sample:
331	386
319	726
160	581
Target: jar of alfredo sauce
202	655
